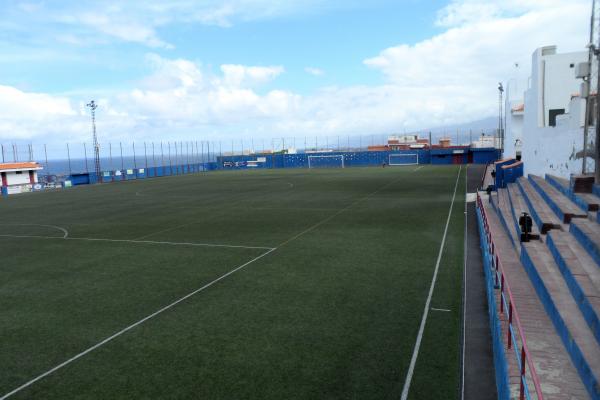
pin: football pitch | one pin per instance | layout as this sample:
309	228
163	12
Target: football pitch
265	284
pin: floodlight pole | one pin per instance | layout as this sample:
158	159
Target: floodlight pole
92	105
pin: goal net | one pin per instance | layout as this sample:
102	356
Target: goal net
333	161
403	159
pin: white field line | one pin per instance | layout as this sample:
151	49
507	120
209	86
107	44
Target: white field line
440	309
418	168
63	230
413	360
142	242
128	328
464	310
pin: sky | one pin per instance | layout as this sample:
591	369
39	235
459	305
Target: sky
219	70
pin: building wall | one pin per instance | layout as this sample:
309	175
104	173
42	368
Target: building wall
555	150
13	178
549	149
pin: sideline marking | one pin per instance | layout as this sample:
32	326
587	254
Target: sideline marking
418	168
440	309
413	360
464	310
63	230
122	331
142	242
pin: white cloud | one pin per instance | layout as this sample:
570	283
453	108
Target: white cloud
314	71
447	79
240	75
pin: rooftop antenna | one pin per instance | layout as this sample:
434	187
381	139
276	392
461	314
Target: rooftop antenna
92	105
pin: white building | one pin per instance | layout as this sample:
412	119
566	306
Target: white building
18	177
547	122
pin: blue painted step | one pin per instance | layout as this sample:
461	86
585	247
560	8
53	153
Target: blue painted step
560	306
541	213
585	201
587	234
564	208
576	276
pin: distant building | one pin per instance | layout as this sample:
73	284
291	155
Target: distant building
545	123
19	177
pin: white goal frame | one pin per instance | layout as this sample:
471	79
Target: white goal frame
390	162
340	156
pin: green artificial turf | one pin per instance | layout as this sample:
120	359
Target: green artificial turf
332	313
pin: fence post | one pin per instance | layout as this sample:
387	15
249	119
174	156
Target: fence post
87	170
121	150
46	156
134	159
145	159
69	159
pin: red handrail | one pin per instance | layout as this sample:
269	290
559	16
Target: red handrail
512	311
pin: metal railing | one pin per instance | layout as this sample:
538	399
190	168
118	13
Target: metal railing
507	305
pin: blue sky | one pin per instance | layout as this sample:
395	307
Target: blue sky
335	37
179	69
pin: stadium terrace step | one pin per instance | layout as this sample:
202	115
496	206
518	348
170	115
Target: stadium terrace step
585	201
518	207
582	183
564	208
540	211
588	234
545	346
564	312
502	205
581	275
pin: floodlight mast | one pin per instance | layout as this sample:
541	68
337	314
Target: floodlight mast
93	106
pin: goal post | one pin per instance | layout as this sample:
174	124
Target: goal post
329	161
403	159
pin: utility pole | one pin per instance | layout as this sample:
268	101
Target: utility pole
93	106
500	128
596	49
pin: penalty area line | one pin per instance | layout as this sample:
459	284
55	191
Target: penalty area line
413	360
130	327
235	246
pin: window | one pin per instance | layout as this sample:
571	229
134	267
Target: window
552	114
18	172
571	65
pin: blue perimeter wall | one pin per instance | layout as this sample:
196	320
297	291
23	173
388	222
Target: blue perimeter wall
351	159
361	158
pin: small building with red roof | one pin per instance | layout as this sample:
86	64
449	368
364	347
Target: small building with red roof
18	177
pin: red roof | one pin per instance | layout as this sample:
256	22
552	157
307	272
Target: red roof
20	165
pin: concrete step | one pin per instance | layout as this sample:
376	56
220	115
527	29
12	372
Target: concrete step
504	210
576	335
518	207
541	213
588	234
585	201
581	275
562	206
557	373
